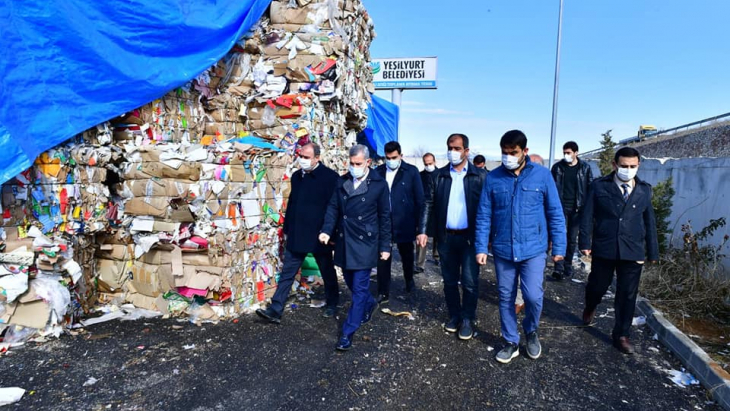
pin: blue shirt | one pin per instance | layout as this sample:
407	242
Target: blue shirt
456	217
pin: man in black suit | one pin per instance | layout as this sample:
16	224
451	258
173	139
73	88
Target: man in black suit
428	178
358	216
311	189
406	203
452	204
619	214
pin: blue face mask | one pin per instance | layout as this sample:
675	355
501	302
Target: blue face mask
357	172
392	164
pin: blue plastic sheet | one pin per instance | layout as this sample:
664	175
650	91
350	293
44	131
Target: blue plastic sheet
68	65
382	123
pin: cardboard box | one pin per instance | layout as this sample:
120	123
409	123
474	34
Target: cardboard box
151	280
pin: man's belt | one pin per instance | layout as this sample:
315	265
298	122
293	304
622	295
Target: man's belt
463	231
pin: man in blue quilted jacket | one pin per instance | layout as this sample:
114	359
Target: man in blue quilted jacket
518	211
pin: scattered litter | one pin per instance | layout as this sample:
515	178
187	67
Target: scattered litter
575	280
10	395
654	349
318	304
682	378
490	348
639	321
91	381
189	347
398	313
697	337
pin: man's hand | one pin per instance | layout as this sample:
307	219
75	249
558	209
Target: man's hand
557	258
481	259
384	255
585	252
324	238
422	240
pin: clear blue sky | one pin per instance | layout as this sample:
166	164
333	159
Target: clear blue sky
623	63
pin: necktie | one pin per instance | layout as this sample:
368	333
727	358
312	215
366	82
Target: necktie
626	192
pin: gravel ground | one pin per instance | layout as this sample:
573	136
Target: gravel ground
395	363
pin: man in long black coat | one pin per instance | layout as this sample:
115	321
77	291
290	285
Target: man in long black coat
358	220
311	190
428	179
406	203
619	214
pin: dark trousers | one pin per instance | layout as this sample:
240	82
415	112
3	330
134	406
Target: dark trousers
458	264
572	222
292	262
362	301
406	251
628	275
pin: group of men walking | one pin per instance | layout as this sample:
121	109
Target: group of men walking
517	214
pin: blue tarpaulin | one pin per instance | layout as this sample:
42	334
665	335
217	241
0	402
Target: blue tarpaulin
68	65
382	123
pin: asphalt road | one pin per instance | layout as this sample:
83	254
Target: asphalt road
395	363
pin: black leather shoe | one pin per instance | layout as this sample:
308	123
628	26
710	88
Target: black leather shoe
558	276
453	325
344	344
589	317
465	330
410	286
382	299
269	315
418	270
369	314
329	312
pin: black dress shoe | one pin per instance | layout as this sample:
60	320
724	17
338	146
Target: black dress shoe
329	312
269	315
589	317
418	270
558	276
382	299
410	286
369	314
624	345
344	344
453	325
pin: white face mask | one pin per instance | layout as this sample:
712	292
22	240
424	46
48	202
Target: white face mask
305	164
430	168
455	157
392	164
357	172
510	162
568	158
626	174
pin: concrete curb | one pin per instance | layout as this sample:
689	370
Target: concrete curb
708	372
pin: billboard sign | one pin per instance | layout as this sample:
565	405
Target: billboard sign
404	73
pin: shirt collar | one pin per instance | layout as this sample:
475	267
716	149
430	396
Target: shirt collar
367	171
618	181
312	170
466	168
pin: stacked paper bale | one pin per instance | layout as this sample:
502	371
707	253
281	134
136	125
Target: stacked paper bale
178	206
205	176
51	213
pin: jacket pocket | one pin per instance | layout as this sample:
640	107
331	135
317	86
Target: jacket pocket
532	196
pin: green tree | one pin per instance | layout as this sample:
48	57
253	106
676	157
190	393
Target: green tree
605	159
662	201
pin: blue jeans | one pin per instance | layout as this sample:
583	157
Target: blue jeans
531	274
292	262
458	263
358	281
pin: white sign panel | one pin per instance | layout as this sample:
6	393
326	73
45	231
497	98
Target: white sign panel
405	73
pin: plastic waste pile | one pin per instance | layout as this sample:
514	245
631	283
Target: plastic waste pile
177	206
